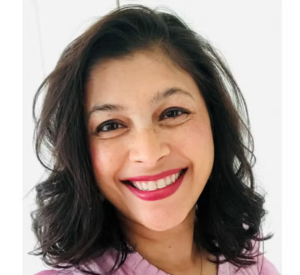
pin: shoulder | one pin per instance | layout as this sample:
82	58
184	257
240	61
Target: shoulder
100	265
134	264
268	268
262	267
60	272
53	272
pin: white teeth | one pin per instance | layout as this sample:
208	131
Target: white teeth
139	185
168	180
161	183
152	186
145	186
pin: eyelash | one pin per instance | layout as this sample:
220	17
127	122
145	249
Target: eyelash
106	123
174	109
111	122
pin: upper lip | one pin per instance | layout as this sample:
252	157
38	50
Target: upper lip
154	177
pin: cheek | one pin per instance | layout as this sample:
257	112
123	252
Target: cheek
103	161
200	146
199	136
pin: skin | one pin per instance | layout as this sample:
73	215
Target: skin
146	140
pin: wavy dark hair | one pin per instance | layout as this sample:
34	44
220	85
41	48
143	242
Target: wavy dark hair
72	222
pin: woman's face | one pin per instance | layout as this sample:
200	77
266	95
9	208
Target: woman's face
147	121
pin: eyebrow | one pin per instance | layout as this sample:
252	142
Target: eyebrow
167	93
155	100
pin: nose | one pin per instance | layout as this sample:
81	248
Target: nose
148	147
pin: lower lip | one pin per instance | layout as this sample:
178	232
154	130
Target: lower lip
157	194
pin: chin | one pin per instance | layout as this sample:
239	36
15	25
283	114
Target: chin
163	221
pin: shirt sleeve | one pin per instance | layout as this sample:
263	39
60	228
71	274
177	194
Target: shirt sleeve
47	272
55	272
268	268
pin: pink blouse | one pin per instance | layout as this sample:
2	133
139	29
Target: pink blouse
135	264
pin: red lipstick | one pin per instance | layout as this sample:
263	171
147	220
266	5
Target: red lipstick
157	194
155	177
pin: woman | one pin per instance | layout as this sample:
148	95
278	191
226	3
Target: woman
152	156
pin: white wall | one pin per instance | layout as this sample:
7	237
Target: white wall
49	25
248	34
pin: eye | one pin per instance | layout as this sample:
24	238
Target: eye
173	113
109	126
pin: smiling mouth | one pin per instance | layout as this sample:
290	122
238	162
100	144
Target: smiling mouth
157	184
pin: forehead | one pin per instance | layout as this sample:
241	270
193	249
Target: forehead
138	76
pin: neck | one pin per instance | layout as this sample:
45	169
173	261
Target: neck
172	251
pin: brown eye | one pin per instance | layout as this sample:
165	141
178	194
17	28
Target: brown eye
109	126
173	113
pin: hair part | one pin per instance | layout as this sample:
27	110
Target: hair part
72	223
